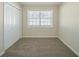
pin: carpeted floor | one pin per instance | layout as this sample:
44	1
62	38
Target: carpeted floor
42	47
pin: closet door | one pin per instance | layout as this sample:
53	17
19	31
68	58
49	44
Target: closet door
11	25
6	24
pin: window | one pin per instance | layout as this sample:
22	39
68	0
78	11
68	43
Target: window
40	18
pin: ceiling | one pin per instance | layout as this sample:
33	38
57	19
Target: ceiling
41	3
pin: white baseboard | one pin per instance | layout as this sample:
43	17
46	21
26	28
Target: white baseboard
39	36
69	46
2	53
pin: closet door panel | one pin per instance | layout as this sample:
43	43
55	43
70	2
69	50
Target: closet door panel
11	25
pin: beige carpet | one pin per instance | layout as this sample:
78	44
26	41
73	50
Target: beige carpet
42	47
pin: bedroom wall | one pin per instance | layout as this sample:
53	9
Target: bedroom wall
69	25
38	31
1	29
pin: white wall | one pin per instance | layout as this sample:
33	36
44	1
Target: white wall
12	24
1	28
40	32
69	25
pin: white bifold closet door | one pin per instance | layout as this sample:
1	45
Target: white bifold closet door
12	27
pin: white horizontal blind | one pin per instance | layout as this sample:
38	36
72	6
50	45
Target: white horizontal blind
40	18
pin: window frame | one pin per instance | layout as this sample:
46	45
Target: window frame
41	26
